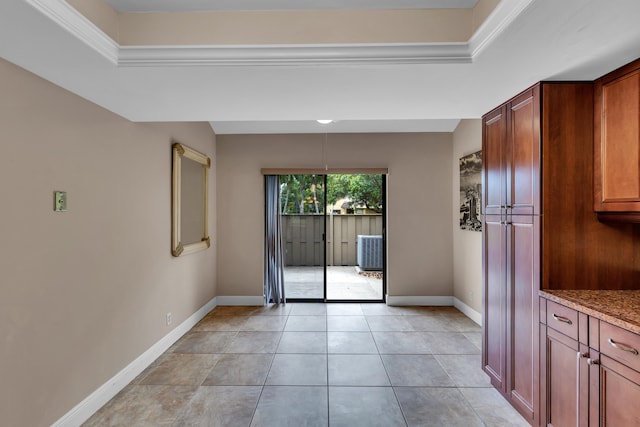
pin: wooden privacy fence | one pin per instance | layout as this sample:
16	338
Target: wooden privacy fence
304	245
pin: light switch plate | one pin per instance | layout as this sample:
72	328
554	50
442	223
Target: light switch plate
60	201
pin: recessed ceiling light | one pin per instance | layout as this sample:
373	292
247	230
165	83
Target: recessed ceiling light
324	122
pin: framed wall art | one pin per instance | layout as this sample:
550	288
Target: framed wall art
470	191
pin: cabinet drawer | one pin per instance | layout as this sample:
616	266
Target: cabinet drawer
562	319
620	344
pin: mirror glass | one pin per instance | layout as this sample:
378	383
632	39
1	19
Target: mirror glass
189	200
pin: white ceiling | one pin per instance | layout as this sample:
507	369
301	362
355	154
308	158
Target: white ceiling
208	5
548	40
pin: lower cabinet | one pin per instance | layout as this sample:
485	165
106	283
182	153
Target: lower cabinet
564	375
619	394
567	382
510	321
589	370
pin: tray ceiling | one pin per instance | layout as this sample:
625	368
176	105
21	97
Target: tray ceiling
212	5
285	88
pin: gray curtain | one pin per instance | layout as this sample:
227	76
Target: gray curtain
274	255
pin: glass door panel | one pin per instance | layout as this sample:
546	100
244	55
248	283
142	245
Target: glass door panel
302	213
355	237
333	237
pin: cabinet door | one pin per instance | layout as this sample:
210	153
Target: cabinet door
617	141
494	136
567	386
523	277
619	394
523	161
495	300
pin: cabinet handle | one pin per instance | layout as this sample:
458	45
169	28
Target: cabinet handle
592	362
582	355
562	319
622	347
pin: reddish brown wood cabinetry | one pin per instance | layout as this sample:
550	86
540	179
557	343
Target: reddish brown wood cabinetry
511	156
617	144
619	388
495	301
590	381
511	240
619	394
522	185
564	371
566	387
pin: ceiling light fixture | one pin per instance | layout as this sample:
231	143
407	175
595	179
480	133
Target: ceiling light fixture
324	122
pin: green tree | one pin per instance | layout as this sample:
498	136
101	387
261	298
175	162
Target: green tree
337	188
300	194
361	190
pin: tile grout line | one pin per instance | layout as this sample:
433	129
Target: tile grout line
264	384
393	389
327	355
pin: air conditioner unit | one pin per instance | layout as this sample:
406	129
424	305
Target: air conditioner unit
370	252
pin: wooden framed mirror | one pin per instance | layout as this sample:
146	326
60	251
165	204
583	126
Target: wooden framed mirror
189	201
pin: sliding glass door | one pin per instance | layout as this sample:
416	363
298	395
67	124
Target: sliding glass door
302	202
333	237
355	243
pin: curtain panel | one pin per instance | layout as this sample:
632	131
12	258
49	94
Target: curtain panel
274	254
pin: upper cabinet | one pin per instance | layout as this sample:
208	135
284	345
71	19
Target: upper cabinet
617	145
512	156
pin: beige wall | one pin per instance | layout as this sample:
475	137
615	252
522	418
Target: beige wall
481	12
85	292
101	14
304	26
296	27
467	245
419	198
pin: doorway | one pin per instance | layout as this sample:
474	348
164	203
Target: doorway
333	232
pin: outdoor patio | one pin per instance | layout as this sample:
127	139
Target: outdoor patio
343	283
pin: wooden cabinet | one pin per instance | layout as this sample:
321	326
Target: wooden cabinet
511	241
564	376
511	156
590	381
564	372
619	394
495	301
531	195
619	388
617	144
523	281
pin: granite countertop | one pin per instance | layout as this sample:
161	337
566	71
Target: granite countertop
618	307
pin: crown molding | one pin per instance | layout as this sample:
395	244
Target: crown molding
67	17
80	27
502	16
362	54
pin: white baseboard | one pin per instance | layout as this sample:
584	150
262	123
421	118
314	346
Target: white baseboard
83	410
240	300
419	300
436	301
468	311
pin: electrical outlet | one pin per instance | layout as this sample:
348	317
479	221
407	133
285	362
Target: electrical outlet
471	296
169	319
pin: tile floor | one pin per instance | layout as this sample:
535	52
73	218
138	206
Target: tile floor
317	365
